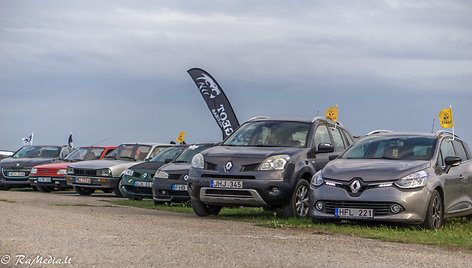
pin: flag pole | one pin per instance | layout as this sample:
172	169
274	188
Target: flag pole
453	135
336	123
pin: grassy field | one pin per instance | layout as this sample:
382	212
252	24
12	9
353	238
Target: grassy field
456	234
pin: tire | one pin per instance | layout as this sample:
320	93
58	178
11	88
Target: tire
135	198
44	189
435	213
299	202
4	188
117	192
83	190
203	210
107	191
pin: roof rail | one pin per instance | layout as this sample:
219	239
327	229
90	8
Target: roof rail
378	131
439	132
326	119
258	117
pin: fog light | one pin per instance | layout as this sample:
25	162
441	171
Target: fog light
163	192
319	206
274	190
395	208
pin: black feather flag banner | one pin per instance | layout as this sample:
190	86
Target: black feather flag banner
216	101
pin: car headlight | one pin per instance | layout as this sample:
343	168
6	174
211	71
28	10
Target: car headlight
34	171
275	162
106	172
198	161
161	175
317	179
61	171
70	170
128	172
414	180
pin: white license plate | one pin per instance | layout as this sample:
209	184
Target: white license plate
359	213
179	187
83	180
16	174
226	184
143	184
44	179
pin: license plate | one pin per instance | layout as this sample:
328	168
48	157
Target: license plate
44	179
226	184
359	213
179	187
143	184
83	180
16	174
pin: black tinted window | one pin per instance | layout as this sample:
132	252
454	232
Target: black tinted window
338	139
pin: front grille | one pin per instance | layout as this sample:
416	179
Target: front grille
219	192
85	172
178	193
139	190
46	171
175	176
380	208
250	167
224	176
210	166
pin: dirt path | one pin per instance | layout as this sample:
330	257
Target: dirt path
93	232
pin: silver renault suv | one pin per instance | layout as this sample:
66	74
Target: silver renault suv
399	177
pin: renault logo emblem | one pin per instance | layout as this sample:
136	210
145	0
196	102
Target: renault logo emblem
145	175
185	177
228	166
355	186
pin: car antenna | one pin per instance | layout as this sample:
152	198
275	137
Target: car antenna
317	112
432	128
101	141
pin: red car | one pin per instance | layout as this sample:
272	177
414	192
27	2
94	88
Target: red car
48	177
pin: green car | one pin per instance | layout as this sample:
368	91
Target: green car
136	182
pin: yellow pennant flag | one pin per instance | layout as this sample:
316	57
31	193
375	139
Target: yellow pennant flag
332	113
445	118
180	139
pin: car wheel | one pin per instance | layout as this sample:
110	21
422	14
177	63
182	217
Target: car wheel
107	191
4	188
44	189
299	202
203	210
435	214
83	190
135	198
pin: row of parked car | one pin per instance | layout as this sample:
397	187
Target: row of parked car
307	168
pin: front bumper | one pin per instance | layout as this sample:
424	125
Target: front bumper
95	182
168	190
413	201
59	182
136	188
14	183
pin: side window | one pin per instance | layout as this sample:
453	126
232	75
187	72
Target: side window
446	150
347	138
338	139
460	151
321	135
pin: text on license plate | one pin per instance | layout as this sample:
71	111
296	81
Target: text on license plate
354	213
16	174
44	179
179	187
226	184
83	180
143	184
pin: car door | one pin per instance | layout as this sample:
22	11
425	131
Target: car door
465	172
453	186
322	136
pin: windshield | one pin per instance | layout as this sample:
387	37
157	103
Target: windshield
270	134
136	152
187	155
169	153
395	148
85	153
38	152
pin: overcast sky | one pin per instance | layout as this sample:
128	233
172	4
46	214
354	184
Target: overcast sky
116	70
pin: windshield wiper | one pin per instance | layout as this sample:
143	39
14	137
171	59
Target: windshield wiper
389	158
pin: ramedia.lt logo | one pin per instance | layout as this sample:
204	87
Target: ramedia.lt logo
208	86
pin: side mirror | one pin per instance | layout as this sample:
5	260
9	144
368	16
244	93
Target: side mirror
452	161
325	148
332	157
168	160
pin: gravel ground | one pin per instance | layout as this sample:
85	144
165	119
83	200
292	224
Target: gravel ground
92	232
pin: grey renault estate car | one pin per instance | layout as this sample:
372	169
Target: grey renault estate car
399	177
265	163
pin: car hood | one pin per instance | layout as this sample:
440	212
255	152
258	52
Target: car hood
24	162
147	166
100	164
170	167
248	152
370	170
56	165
